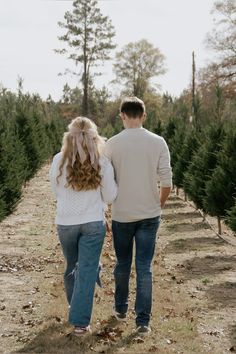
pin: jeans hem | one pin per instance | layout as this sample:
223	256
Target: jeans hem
79	325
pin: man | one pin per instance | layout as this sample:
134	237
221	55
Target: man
139	158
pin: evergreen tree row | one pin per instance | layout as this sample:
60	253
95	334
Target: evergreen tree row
30	132
202	143
204	165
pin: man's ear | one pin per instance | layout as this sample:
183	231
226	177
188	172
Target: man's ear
122	116
144	117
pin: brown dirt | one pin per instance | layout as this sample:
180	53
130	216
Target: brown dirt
194	295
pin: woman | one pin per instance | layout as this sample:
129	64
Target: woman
82	180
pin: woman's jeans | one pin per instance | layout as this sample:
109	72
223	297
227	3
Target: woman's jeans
81	246
144	232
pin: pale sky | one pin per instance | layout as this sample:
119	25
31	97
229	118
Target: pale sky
29	30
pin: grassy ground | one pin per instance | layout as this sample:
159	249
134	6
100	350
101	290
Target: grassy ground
194	295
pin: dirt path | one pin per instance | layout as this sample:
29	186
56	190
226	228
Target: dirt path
194	291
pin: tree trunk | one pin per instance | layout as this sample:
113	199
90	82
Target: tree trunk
219	225
85	73
85	95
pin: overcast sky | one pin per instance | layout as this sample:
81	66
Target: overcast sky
29	30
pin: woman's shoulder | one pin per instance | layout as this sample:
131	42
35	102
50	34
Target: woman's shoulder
57	158
104	161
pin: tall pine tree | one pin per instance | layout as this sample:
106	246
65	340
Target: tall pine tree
89	37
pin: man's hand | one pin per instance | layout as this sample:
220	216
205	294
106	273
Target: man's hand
164	194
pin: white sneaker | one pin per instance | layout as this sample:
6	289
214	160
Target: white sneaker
119	316
80	331
143	330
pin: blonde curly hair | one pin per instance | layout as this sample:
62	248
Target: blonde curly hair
81	148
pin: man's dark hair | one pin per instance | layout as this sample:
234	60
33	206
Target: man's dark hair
133	107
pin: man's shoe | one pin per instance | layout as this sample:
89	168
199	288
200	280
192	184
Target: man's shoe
143	330
119	316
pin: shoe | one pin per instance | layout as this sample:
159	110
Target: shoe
80	331
98	280
119	316
143	330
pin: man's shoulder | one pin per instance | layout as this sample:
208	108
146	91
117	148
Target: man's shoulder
154	136
115	138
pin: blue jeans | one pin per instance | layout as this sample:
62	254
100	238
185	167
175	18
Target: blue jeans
81	246
144	232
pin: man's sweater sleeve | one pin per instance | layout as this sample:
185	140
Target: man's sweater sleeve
164	168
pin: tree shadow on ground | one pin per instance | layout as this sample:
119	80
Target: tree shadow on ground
175	205
182	216
58	338
187	227
209	265
194	244
232	336
173	197
223	294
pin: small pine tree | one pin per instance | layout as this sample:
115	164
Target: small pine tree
158	129
12	165
187	148
203	162
25	130
169	130
231	218
221	188
30	131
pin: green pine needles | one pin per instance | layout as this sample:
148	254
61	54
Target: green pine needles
30	132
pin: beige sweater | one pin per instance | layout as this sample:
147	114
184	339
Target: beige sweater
140	159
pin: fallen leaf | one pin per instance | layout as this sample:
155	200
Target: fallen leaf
153	348
138	340
170	341
30	305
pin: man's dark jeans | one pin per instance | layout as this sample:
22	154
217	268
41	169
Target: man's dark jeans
144	232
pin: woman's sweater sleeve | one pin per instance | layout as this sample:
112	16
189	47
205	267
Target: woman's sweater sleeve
53	175
109	186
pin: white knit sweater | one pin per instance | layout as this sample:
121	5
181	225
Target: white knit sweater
79	207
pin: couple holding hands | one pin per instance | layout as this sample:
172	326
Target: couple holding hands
88	174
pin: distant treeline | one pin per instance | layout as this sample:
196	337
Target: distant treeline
30	132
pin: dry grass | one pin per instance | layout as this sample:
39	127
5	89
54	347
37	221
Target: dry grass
193	292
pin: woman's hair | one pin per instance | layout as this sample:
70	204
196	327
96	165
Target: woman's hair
81	149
